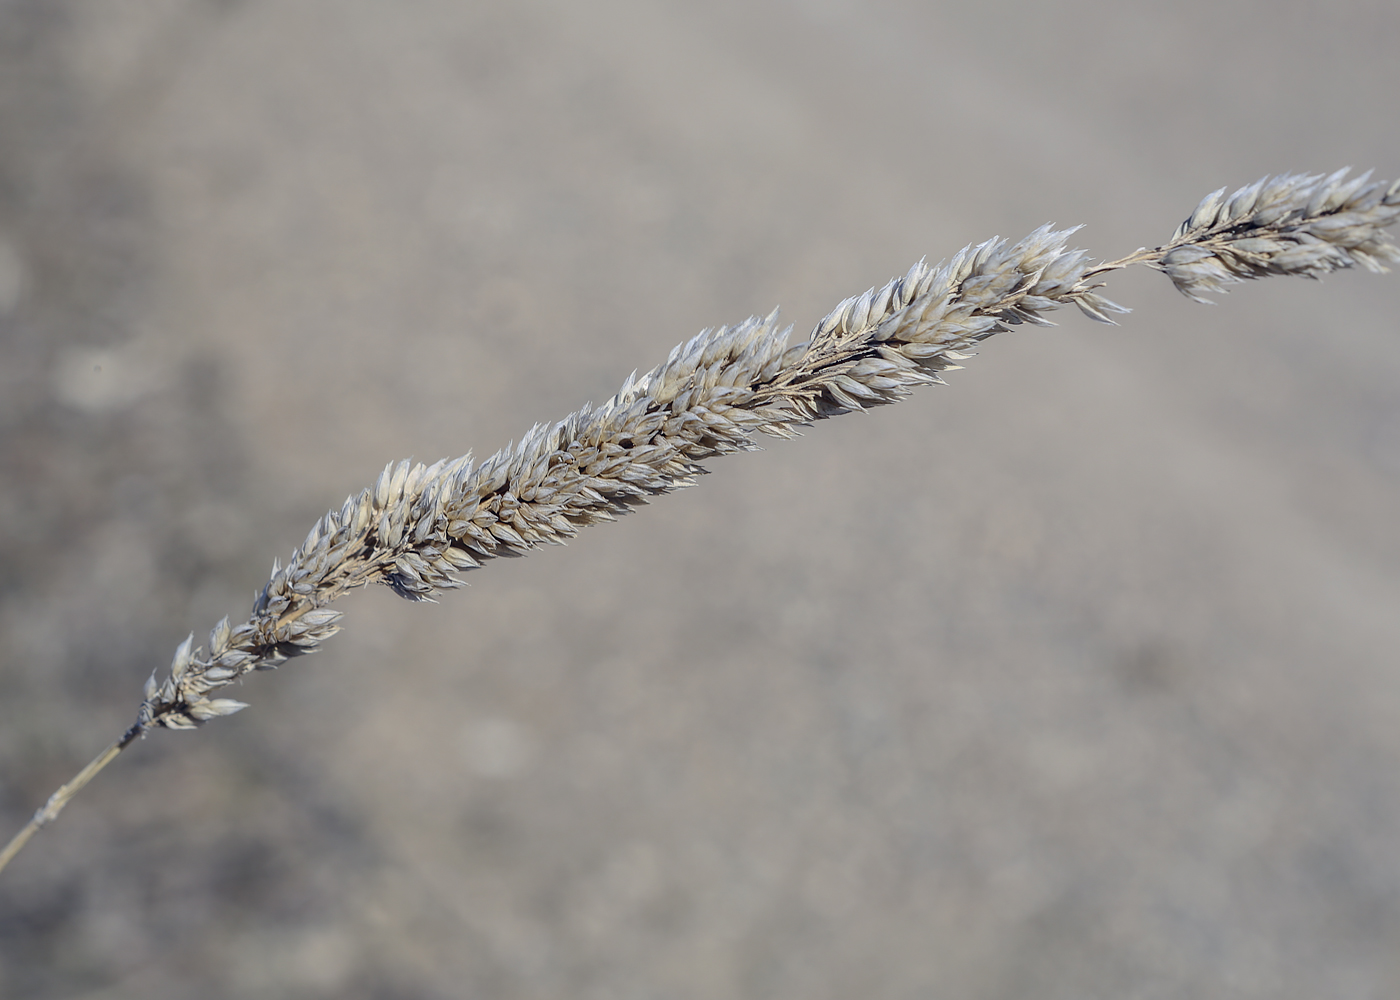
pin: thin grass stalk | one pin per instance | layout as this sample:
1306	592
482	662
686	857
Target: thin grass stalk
418	528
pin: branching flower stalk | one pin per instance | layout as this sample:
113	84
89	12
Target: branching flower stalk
419	527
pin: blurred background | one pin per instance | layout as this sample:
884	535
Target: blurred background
1075	679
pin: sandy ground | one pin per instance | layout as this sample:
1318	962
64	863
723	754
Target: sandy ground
1077	679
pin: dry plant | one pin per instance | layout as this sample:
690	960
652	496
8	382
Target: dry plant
420	526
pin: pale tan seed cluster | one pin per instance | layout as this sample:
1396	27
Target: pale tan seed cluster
1294	224
420	527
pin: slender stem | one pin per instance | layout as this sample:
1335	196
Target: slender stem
50	810
60	798
1140	256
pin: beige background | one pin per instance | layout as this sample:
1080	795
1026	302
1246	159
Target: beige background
1077	679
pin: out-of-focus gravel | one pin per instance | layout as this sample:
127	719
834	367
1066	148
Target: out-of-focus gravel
1075	679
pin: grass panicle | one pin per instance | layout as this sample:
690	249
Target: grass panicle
419	528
